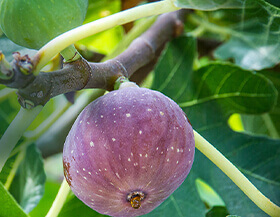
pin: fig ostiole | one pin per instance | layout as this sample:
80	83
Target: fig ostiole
32	23
128	151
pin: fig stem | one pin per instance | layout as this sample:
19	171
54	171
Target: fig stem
48	51
236	176
15	130
123	82
70	54
59	199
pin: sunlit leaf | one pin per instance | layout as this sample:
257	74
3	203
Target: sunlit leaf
105	41
208	195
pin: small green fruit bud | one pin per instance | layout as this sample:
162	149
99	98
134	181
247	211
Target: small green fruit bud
32	23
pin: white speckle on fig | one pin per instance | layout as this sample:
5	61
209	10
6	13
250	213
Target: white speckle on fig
140	152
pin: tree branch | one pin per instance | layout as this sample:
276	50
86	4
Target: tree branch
53	144
80	74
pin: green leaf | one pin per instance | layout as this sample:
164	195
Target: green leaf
268	123
232	216
31	179
255	40
51	189
233	88
184	202
8	48
208	195
274	2
10	168
257	157
9	207
74	207
209	4
7	169
217	211
182	49
175	63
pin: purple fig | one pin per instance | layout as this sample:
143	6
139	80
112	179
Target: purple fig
128	151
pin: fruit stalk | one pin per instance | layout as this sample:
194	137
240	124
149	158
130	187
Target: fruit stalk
15	131
66	39
59	200
236	176
70	54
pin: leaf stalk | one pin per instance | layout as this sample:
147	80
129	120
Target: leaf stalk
236	176
47	52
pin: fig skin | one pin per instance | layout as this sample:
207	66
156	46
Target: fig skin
32	23
133	141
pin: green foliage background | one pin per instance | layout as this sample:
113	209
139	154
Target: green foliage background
240	76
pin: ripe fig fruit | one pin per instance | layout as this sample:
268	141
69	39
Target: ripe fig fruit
32	23
128	151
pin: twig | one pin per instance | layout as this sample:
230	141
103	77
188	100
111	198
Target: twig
80	74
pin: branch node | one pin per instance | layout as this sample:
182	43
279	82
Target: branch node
24	63
122	68
27	104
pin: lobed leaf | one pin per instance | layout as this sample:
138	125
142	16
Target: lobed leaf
233	88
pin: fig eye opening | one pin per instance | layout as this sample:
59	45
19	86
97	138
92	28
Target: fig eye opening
135	199
136	202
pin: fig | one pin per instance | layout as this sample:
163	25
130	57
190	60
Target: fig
32	23
128	151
